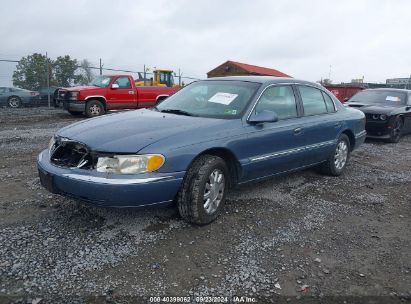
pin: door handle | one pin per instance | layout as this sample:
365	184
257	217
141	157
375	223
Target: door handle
298	131
131	92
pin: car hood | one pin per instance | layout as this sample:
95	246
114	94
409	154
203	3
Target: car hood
373	108
132	131
81	88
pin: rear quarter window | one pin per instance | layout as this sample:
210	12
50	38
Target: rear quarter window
329	103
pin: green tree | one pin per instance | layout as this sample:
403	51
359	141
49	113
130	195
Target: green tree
86	74
31	72
65	71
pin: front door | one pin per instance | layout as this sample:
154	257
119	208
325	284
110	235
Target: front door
122	97
276	146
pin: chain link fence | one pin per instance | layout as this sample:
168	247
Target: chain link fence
88	72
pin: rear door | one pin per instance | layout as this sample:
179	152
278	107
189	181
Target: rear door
123	97
276	146
321	123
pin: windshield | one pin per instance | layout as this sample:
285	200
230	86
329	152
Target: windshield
224	99
101	81
379	97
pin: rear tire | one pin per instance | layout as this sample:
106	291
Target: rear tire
94	108
338	160
14	102
396	131
202	194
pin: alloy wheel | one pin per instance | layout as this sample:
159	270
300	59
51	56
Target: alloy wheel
214	191
14	102
397	129
95	110
341	154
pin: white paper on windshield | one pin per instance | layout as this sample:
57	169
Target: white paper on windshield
392	98
223	98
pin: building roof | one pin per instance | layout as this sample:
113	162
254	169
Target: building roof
264	79
254	69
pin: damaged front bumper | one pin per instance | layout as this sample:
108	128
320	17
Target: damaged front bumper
108	189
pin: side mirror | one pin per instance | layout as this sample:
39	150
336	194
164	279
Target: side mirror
264	116
115	86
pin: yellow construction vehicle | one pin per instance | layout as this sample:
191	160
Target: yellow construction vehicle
162	78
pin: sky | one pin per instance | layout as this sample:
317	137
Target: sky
306	39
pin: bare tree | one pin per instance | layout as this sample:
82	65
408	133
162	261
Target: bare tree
86	74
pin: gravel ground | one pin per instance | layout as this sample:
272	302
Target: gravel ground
298	238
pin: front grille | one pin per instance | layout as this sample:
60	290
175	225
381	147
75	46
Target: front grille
71	154
63	94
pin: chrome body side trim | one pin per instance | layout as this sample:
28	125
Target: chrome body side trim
292	151
361	134
115	181
95	96
163	95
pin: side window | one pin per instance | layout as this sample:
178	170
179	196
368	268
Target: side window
279	99
313	101
123	83
329	103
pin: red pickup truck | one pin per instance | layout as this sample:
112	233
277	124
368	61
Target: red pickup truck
110	92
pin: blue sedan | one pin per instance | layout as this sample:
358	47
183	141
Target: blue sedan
193	146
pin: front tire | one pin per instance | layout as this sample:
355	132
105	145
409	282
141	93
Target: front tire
94	108
202	194
396	131
338	160
15	102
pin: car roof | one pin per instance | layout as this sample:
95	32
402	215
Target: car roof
390	90
266	79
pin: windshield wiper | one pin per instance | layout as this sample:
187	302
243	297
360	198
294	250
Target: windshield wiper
177	111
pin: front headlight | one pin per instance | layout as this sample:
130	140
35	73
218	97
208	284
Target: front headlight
130	164
383	117
74	95
52	142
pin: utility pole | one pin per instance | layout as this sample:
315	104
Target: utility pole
144	75
101	68
48	80
179	78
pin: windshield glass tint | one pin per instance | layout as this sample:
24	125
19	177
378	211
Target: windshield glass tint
219	99
379	96
101	81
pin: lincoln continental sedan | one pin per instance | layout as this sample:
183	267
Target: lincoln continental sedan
193	146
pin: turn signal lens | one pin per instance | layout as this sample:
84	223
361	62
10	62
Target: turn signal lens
155	162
